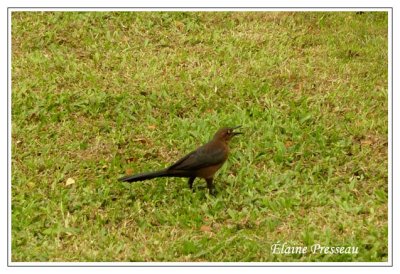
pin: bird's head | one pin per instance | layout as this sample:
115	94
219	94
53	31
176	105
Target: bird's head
226	133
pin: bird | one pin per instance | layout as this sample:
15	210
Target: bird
203	162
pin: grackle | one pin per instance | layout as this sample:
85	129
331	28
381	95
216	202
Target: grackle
204	162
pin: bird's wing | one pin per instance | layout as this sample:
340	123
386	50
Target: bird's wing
200	158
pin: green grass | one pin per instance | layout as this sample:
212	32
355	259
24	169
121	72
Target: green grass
96	95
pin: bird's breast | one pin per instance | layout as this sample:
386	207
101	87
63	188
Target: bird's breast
208	172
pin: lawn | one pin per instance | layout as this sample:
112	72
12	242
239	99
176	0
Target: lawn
97	95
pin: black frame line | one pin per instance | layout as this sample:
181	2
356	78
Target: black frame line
297	9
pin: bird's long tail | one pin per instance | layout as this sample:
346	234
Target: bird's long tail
151	175
143	176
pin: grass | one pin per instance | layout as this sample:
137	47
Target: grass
96	95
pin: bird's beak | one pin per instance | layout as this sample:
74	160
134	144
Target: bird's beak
236	133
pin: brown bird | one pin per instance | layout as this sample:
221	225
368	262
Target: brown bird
204	162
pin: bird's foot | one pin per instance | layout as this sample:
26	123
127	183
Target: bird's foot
213	192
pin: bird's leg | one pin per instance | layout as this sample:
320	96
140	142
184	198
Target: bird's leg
190	182
210	186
